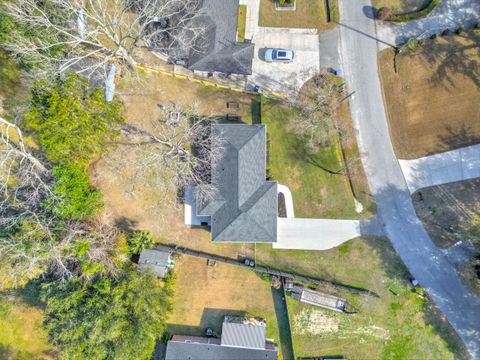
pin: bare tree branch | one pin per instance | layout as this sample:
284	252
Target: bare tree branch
107	31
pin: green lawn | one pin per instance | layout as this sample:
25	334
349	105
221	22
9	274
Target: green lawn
242	22
400	324
316	192
21	333
310	14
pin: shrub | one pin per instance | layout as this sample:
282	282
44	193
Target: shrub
413	43
138	241
74	197
384	13
416	14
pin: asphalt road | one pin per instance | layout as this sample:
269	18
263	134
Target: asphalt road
425	261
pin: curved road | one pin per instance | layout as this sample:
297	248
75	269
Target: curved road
425	261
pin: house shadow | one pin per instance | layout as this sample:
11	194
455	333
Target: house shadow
211	318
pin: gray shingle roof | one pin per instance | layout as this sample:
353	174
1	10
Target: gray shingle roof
244	335
195	351
222	53
156	260
245	209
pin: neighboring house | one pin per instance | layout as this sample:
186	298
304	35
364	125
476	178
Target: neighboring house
157	260
222	53
240	339
244	207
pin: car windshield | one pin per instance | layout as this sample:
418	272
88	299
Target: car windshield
281	53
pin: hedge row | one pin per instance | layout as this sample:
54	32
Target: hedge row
415	14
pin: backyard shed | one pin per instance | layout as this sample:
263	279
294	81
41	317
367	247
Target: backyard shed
318	298
158	261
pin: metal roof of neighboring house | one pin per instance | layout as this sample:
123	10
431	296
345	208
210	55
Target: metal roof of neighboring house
221	52
245	208
156	260
245	335
198	351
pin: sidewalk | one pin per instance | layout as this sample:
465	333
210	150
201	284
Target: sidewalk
253	8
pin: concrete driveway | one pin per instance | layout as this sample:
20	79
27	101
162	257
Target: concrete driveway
450	166
281	77
314	234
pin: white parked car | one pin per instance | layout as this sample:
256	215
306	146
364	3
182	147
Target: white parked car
279	55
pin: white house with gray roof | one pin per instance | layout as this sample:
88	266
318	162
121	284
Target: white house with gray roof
240	339
244	208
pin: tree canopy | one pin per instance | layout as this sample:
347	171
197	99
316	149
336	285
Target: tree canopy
72	121
74	197
107	318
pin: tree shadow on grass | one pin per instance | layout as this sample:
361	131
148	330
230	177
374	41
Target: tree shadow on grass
6	352
126	224
434	317
456	138
303	155
454	57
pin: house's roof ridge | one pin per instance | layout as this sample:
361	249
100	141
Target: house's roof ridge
249	211
246	213
257	129
272	184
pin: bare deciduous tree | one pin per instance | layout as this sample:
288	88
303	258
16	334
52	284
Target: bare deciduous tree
172	152
91	248
316	122
89	34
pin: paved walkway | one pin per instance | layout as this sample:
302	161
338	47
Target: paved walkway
425	261
449	14
253	8
450	166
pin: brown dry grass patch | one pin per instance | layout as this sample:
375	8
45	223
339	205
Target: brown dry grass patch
144	93
133	204
432	101
205	294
